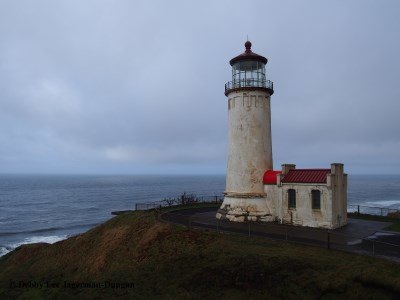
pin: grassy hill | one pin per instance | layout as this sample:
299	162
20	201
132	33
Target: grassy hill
151	259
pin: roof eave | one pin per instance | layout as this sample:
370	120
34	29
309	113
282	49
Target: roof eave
248	57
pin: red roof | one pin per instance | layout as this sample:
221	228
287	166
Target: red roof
306	176
248	55
270	176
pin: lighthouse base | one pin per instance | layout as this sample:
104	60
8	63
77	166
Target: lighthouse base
246	209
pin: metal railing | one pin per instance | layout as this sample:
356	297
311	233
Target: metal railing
180	200
251	82
296	234
191	198
371	210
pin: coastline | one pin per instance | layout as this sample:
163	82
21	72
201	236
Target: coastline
137	248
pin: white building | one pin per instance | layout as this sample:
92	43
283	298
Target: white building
254	192
307	197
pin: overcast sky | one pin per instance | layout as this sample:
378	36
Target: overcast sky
137	87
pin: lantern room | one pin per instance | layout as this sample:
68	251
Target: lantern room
248	72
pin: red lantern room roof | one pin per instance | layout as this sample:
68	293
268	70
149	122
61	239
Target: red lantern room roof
270	177
248	55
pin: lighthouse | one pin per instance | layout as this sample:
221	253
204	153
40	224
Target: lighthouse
249	139
254	190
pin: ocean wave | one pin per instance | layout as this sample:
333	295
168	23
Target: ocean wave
30	231
384	203
45	239
4	250
32	240
43	230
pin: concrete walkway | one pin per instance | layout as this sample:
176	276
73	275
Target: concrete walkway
358	235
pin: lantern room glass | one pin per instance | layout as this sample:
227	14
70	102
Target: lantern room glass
248	73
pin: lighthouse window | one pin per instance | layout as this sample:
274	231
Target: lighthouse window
248	74
292	198
316	199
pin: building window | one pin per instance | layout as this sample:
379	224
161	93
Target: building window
316	199
292	198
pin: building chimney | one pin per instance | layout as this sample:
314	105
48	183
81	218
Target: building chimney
337	169
287	167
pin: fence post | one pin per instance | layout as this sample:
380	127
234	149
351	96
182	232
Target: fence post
216	199
135	206
373	247
249	227
156	213
328	240
358	210
217	225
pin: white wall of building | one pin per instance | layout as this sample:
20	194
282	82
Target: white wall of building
303	214
333	202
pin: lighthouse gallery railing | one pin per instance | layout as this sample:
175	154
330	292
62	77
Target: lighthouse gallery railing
251	82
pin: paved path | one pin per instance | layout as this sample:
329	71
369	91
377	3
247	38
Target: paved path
358	235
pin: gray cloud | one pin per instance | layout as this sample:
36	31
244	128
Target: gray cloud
137	86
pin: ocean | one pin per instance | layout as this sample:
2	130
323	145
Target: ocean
49	208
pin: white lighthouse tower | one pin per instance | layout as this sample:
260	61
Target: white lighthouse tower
249	139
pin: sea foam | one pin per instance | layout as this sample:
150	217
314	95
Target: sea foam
384	203
31	240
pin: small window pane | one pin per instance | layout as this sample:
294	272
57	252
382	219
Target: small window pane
316	199
292	198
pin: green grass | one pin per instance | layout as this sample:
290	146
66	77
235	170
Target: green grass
393	227
170	262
